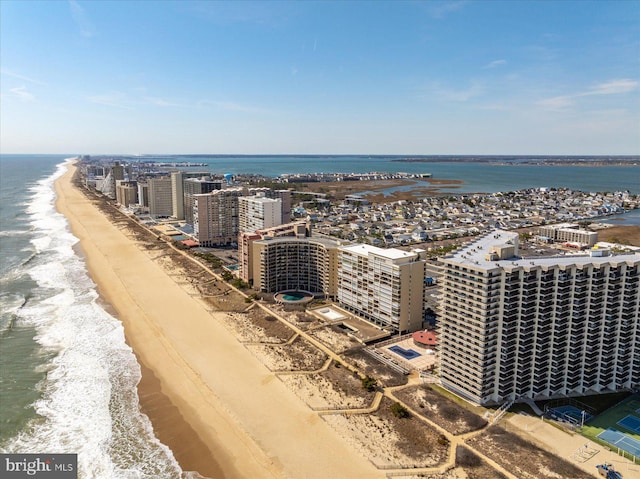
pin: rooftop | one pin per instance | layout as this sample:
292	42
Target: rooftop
260	199
327	242
475	253
390	253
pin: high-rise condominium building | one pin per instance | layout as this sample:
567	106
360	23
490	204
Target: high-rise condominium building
143	193
298	229
259	212
285	198
543	327
283	195
197	186
160	197
117	170
384	286
216	217
126	192
287	263
115	173
178	179
177	194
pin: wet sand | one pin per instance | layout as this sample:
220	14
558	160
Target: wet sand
210	400
172	429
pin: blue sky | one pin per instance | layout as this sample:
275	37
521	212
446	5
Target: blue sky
450	77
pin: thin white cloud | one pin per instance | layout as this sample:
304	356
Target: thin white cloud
557	103
495	63
21	77
114	99
441	10
611	87
457	95
81	19
269	14
162	102
22	93
495	107
231	106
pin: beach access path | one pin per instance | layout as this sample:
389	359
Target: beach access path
252	425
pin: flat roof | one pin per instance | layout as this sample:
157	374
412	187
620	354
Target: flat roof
474	254
330	243
366	249
260	199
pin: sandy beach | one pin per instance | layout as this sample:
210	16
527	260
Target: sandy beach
220	410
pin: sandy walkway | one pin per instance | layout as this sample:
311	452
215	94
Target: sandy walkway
250	423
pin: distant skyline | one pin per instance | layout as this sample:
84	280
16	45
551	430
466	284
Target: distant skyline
338	77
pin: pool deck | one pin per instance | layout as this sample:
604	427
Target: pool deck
422	362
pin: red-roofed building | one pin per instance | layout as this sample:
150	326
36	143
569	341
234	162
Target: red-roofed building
425	339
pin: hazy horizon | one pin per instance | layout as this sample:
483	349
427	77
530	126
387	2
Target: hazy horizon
313	155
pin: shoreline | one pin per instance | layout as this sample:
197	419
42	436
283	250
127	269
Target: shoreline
207	391
169	424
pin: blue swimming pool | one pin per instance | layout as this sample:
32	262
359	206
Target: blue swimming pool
405	353
292	297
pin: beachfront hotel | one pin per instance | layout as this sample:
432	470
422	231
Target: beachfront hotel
383	286
216	217
544	327
295	264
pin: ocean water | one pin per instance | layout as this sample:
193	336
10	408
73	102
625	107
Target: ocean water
67	377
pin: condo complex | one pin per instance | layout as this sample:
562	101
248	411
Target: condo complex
513	328
509	328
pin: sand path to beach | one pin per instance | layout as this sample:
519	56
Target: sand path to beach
252	425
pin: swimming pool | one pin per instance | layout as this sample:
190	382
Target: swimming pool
405	353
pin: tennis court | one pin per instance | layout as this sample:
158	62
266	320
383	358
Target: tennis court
570	414
621	441
631	423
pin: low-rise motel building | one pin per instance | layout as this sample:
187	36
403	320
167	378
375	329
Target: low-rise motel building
513	328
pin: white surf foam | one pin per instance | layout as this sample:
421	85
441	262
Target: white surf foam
89	401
